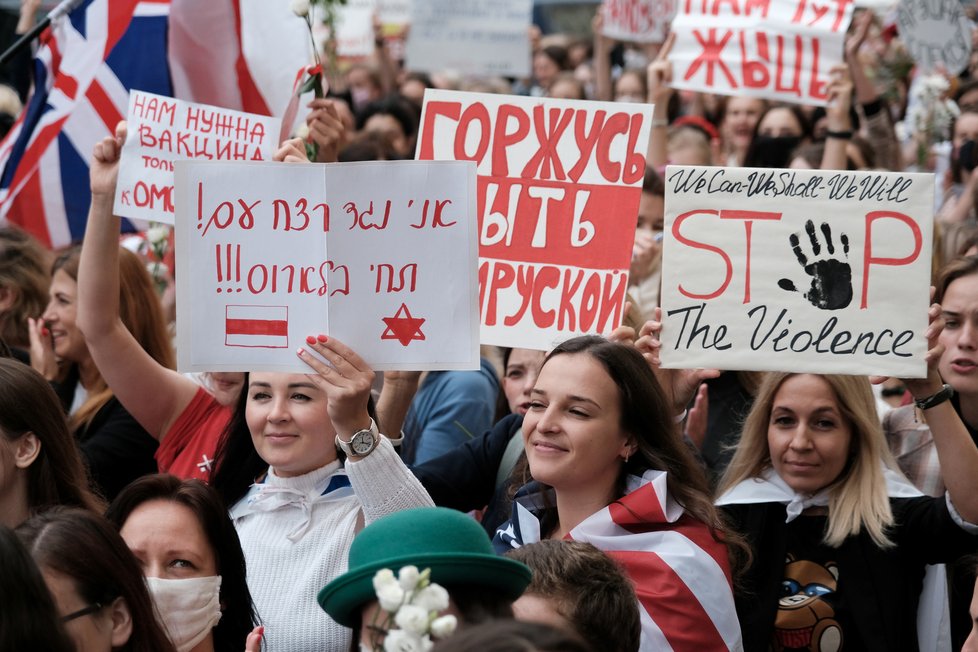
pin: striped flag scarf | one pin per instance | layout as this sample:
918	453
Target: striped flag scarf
680	572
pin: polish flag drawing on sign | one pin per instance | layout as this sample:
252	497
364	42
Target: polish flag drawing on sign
263	327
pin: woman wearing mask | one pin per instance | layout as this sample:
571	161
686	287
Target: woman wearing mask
96	583
189	551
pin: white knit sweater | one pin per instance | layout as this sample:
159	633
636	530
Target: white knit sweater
284	575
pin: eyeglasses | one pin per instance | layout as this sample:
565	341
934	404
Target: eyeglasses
90	609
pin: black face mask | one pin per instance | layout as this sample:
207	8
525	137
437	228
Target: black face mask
771	151
968	155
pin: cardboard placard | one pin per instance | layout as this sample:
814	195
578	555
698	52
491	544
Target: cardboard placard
937	34
796	270
559	187
470	37
380	255
638	21
163	130
775	49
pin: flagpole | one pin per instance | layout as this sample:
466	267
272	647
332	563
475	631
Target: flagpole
62	9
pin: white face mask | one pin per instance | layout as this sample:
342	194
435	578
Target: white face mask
189	608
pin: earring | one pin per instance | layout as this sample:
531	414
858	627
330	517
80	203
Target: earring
627	455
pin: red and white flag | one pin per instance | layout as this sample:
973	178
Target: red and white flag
265	327
680	572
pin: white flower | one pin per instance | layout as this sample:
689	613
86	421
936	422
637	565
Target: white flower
408	578
383	577
300	7
444	626
157	233
390	597
398	640
432	597
302	131
412	618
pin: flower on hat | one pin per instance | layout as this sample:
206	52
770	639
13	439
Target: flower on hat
409	607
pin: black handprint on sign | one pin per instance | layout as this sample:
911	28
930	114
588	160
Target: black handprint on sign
831	287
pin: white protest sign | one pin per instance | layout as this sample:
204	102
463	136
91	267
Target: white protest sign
470	37
394	12
379	255
355	28
559	187
775	49
937	33
796	270
162	130
639	21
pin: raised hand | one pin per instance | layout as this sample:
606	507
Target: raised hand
43	359
104	169
326	130
347	380
831	276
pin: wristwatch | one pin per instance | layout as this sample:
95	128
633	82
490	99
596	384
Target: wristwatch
362	443
943	394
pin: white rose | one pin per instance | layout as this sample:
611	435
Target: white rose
303	133
408	578
398	640
412	618
444	626
390	597
158	233
300	7
432	597
384	577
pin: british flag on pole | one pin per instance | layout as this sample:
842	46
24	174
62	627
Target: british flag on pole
83	70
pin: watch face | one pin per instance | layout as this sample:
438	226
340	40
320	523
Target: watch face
362	442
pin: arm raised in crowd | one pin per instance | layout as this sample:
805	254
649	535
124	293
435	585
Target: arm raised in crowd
153	394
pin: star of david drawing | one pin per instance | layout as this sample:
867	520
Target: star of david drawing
403	327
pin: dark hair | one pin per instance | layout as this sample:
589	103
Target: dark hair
141	313
29	620
589	589
646	416
237	611
760	154
513	636
368	147
557	54
957	268
652	183
29	405
24	264
86	548
236	463
397	107
967	243
502	403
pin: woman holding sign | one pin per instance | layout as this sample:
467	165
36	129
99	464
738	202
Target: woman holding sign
840	540
608	467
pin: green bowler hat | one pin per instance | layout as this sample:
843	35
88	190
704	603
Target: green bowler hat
451	544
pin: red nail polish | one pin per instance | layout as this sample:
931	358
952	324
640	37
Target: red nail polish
323	339
311	339
45	332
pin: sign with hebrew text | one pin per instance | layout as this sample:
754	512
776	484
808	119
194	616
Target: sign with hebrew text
559	185
796	270
380	255
775	49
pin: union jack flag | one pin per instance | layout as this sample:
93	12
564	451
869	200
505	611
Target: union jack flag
83	70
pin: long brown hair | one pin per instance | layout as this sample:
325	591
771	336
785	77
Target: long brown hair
24	267
646	416
141	312
86	548
29	405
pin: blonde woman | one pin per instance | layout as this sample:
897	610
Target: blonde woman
840	541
